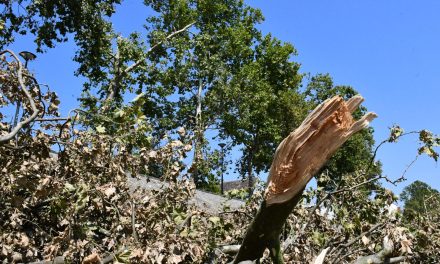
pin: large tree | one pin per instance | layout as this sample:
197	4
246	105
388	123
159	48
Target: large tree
55	21
263	104
201	65
196	66
419	199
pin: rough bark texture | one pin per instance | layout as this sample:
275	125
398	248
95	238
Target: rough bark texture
264	231
296	160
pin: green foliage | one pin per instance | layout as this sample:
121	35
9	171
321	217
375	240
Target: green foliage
420	199
199	66
422	217
53	21
256	97
238	194
221	73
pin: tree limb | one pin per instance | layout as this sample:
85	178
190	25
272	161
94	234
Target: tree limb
134	65
296	160
130	68
230	249
383	256
25	122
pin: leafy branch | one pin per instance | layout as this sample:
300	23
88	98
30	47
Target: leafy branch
113	84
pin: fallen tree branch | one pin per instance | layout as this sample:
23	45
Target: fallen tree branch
230	249
34	109
56	260
320	258
397	259
185	222
358	238
383	256
341	247
133	220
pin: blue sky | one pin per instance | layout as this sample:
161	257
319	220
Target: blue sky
387	50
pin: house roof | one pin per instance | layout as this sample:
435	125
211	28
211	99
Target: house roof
237	185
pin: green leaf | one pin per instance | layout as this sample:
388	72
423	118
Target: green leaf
123	257
214	219
69	187
119	113
100	129
396	132
318	238
429	151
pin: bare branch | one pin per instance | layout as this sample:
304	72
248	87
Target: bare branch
134	65
382	256
54	119
133	220
341	247
25	122
230	249
356	239
397	259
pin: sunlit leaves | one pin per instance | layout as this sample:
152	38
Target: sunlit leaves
430	142
395	132
100	129
429	151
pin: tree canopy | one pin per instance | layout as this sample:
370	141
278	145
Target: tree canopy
419	199
156	103
195	60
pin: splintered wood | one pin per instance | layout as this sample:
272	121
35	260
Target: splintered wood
307	149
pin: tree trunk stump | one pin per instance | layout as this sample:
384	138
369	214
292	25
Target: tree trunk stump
297	159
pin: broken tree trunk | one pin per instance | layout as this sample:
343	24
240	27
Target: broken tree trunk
296	160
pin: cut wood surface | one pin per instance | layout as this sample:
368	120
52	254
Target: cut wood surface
307	149
297	159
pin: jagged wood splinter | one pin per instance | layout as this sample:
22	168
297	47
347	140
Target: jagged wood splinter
297	159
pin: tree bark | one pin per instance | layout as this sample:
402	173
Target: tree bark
249	169
198	135
18	126
265	230
296	160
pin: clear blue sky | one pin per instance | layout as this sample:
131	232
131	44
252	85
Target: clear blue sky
387	50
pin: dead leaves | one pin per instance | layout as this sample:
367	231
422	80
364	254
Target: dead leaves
92	259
